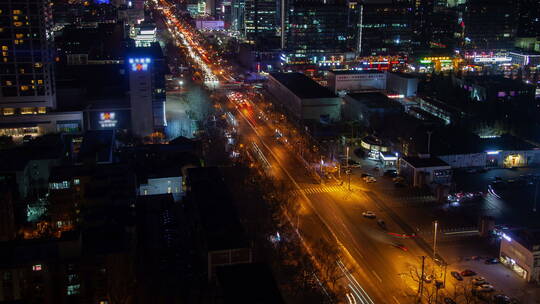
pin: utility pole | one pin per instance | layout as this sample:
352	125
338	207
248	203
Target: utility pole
435	240
535	195
421	281
348	169
429	141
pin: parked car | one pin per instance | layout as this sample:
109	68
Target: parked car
390	173
491	261
484	288
468	273
479	281
501	299
369	214
456	275
370	179
449	301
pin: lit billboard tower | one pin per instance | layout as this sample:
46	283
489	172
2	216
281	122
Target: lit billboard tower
147	104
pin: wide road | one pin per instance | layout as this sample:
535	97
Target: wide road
330	209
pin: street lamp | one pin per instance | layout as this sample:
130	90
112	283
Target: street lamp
348	172
436	223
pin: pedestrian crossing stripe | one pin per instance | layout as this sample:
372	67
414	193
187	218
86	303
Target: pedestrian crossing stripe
323	189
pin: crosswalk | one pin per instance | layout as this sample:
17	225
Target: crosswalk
321	189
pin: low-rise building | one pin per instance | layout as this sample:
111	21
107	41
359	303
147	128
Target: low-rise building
425	170
355	80
493	88
401	84
304	98
368	107
520	251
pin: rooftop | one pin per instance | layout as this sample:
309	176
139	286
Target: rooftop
403	75
303	86
248	283
375	100
528	238
456	141
425	162
217	213
355	72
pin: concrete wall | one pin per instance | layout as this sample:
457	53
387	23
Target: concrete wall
398	84
356	82
316	108
285	97
465	160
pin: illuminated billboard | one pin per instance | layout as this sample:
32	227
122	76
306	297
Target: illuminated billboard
139	64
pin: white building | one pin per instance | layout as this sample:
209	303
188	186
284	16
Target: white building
163	185
520	251
304	98
401	84
425	170
354	81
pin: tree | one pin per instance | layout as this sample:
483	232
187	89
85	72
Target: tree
328	255
121	286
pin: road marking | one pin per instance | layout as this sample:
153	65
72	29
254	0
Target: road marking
376	275
395	299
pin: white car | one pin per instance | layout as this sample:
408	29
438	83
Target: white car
370	179
369	214
485	287
479	281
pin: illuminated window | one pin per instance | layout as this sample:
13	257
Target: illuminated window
21	71
5	48
40	81
15	17
5	59
19	36
9	82
36	267
76	181
24	88
27	110
42	110
38	64
73	289
17	12
8	111
17	23
4	54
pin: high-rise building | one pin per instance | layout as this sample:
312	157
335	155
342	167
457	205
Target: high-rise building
490	24
26	66
317	30
261	18
528	18
387	27
147	90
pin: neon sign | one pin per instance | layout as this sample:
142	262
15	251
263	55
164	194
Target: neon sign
107	120
139	64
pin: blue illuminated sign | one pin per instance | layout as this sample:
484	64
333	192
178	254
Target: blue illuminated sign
139	64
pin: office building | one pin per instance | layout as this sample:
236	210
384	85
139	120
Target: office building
490	24
261	18
316	32
27	63
520	251
387	28
27	88
147	90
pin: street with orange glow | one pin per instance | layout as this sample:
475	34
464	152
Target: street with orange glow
380	260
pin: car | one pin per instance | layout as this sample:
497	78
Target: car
370	179
27	138
364	175
400	246
479	281
456	275
468	273
428	278
501	299
491	261
369	214
484	288
390	173
449	301
381	224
